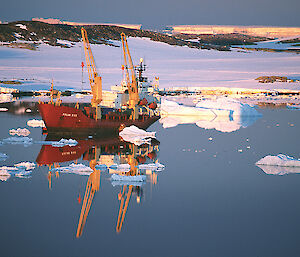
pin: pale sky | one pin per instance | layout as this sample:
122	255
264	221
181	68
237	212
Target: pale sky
157	13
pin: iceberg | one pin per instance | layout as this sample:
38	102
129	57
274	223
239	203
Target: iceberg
222	114
136	136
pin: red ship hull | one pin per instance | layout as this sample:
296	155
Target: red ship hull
68	119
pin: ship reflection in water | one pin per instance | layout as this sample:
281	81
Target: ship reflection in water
131	166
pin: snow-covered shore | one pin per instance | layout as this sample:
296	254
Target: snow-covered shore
176	66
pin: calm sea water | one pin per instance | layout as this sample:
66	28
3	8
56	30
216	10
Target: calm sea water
210	200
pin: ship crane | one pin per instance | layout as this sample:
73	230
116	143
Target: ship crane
131	80
94	78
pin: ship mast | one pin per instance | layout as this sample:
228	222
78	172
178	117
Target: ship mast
131	80
94	78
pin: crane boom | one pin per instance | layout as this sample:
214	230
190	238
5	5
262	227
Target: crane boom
130	77
94	78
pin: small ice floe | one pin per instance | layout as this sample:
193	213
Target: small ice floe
279	160
21	132
136	136
119	180
79	169
138	178
20	170
120	167
6	98
26	141
60	143
3	156
36	123
26	165
280	164
151	166
63	142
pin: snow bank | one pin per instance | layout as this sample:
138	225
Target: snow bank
136	136
137	178
26	141
36	123
21	26
19	132
20	170
151	166
3	156
279	160
73	168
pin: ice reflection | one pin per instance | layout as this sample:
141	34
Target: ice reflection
220	123
278	170
110	155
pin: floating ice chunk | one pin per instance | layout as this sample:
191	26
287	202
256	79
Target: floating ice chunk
79	169
136	136
26	165
63	142
137	178
3	156
26	141
19	132
279	160
36	123
120	167
6	98
152	166
21	170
